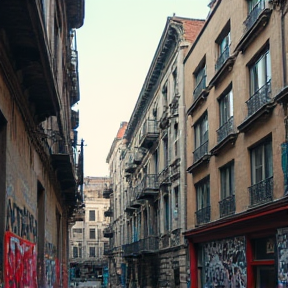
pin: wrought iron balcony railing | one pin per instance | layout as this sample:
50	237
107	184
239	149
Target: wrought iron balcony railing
164	176
261	192
108	232
259	98
227	206
109	212
226	129
146	245
200	151
253	15
148	133
200	86
107	191
165	241
148	187
222	58
203	215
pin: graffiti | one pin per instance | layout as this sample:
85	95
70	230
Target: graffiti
20	262
282	247
21	222
52	265
225	263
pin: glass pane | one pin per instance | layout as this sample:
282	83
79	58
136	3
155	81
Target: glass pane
268	160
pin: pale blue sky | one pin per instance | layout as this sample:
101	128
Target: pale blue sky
116	46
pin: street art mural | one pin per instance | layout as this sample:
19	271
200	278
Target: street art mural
52	265
20	262
225	263
282	249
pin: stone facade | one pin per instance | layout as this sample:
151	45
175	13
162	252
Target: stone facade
39	180
148	173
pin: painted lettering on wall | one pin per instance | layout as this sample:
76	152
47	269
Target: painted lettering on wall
20	262
225	263
21	222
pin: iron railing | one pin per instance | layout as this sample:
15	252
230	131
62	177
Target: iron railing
259	98
253	15
261	192
149	127
200	151
227	206
226	129
163	176
203	215
200	86
222	58
149	244
165	241
176	237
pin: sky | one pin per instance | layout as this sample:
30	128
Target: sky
116	46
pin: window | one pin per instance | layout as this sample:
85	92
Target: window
227	180
77	232
166	213
166	152
260	73
200	79
176	140
226	115
261	173
92	251
227	203
75	252
175	83
254	4
201	137
92	234
176	204
223	41
91	215
203	201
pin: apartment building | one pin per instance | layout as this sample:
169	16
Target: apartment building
115	193
40	172
86	257
149	197
236	109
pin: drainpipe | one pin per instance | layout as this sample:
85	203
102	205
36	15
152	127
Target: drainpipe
283	44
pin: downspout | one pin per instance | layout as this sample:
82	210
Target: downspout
283	44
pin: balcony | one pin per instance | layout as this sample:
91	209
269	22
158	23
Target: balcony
175	169
225	134
261	192
108	232
165	241
227	206
223	66
149	133
256	21
74	119
164	177
31	73
259	105
203	215
148	188
176	237
107	191
134	158
174	105
108	213
199	95
201	157
139	154
75	13
148	245
63	165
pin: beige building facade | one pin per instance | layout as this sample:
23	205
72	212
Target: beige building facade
236	108
40	168
87	244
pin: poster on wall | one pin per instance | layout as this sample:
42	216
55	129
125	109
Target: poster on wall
20	262
282	250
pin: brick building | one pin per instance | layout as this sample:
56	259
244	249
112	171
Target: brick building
236	102
40	172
